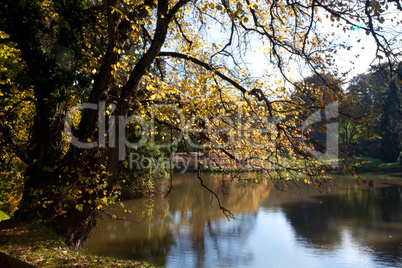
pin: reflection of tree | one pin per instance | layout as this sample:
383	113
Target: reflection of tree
207	232
195	205
187	230
373	216
144	235
189	219
222	244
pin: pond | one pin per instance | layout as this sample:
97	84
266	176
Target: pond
293	226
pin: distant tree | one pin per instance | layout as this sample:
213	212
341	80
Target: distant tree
367	99
391	123
311	94
364	104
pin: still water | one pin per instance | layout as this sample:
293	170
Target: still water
294	226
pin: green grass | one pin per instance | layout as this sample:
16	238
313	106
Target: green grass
3	216
38	245
376	164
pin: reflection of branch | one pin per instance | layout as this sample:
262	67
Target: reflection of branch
170	163
225	211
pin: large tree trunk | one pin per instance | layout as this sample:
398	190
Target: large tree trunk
68	191
68	197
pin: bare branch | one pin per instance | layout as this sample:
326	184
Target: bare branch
255	92
225	211
181	31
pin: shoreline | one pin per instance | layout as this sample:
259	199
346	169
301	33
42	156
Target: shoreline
35	245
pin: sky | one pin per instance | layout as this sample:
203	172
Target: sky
345	60
355	61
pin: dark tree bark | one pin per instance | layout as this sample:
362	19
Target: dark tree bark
63	189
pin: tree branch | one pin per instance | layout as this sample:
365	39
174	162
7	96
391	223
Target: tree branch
225	211
255	92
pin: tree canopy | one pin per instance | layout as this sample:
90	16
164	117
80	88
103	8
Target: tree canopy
182	64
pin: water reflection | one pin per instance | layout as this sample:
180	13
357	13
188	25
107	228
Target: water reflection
350	226
371	217
137	237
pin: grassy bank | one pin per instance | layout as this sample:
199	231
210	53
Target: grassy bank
190	162
375	165
3	216
39	246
